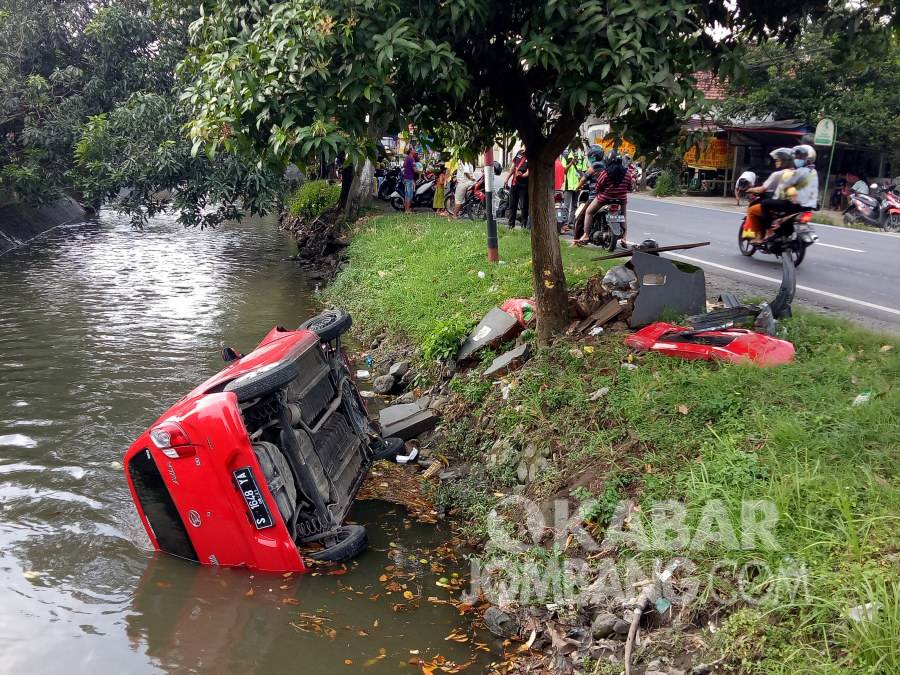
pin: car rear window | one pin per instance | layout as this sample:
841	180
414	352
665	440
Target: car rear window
158	507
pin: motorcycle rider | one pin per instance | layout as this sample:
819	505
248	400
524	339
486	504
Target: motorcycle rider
796	192
613	184
782	158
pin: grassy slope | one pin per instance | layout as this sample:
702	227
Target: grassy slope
676	430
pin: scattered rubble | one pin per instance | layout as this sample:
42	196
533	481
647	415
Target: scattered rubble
495	327
406	420
509	361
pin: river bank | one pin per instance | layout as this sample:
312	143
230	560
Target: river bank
771	493
20	224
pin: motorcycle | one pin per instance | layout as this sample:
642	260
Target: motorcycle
794	233
423	196
882	211
608	225
389	184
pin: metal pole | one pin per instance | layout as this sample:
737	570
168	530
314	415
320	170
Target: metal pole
830	160
493	242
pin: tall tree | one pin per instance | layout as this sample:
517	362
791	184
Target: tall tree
300	74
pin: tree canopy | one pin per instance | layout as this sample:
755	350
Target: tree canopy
815	79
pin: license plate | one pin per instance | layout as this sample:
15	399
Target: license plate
616	217
250	492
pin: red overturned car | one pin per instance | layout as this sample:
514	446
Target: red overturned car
263	460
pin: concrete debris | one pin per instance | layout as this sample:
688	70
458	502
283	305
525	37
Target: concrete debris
399	369
384	384
495	327
406	420
408	397
601	317
511	360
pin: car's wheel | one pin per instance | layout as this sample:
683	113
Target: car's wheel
342	544
329	324
397	203
744	244
267	379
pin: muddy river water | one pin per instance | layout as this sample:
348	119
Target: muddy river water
102	328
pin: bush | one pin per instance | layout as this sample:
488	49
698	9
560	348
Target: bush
312	199
667	185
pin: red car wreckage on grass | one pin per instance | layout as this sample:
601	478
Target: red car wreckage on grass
262	459
735	345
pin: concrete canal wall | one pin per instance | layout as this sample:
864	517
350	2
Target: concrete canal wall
20	224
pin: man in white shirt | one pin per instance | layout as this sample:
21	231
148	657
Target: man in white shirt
465	176
745	181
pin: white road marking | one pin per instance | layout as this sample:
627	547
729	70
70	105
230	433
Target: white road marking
643	213
843	248
773	280
894	235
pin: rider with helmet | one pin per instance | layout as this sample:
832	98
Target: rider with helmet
798	191
613	184
783	160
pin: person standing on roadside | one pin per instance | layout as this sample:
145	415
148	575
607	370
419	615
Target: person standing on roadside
465	176
517	180
575	164
409	178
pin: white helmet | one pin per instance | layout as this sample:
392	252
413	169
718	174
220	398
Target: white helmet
806	152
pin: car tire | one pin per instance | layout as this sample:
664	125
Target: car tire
328	325
272	380
344	543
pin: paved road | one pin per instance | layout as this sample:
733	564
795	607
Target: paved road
853	270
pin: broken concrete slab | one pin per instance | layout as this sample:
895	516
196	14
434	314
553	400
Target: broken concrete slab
665	285
511	360
406	420
496	326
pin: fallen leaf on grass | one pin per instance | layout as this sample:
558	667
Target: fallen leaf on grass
348	662
886	348
683	409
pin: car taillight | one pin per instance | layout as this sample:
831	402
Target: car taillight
806	216
172	440
613	207
558	198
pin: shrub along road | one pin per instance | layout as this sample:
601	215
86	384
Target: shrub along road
695	432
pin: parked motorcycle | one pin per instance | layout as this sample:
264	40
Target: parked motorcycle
390	183
424	194
794	233
877	209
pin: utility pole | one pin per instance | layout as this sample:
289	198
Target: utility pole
493	242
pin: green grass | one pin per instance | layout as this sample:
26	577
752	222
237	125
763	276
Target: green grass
687	431
415	276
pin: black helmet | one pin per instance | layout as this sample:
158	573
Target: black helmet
613	157
498	169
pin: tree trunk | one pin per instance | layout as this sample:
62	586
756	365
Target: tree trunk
550	292
360	191
348	178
